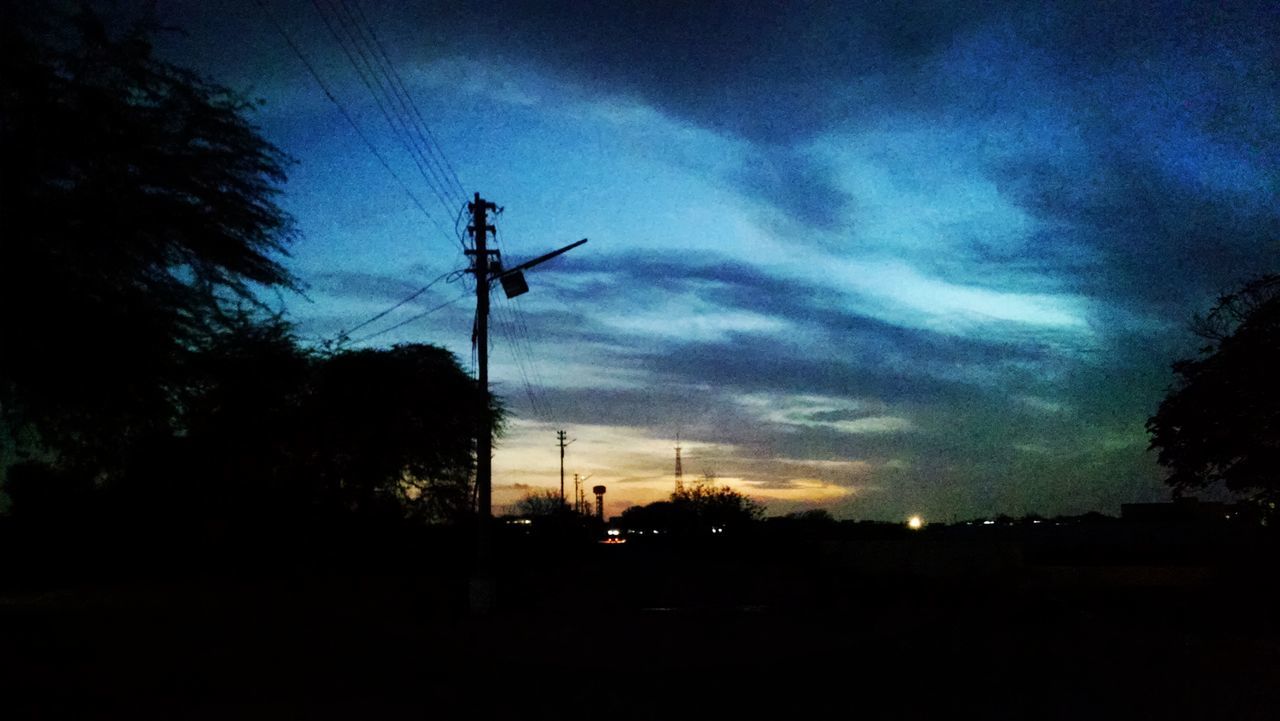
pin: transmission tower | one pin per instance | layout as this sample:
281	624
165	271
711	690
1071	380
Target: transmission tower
679	470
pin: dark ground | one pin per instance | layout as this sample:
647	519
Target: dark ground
757	630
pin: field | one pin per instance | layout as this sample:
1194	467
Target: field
802	629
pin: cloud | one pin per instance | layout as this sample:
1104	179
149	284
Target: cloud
939	249
838	414
379	287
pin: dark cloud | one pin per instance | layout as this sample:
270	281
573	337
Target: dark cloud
778	75
799	186
365	286
1141	143
1153	243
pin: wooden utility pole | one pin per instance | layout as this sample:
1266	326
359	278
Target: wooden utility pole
480	229
560	436
483	586
482	583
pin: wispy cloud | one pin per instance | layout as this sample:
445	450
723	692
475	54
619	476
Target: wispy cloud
942	250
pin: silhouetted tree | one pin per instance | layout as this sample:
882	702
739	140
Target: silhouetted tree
702	506
717	506
243	444
392	430
812	523
138	204
813	516
659	515
1221	420
274	431
542	504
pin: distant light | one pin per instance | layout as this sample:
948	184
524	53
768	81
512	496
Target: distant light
988	523
614	532
915	523
1036	521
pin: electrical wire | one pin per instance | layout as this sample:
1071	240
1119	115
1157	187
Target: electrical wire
364	72
512	348
442	159
525	364
518	337
374	70
522	351
410	319
346	333
342	109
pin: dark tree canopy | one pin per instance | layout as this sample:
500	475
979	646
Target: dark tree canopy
542	504
138	370
697	509
393	429
372	432
138	205
1221	420
718	505
272	433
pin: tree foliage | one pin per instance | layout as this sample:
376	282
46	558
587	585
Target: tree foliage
393	429
699	508
543	504
373	431
138	205
137	367
271	431
1220	422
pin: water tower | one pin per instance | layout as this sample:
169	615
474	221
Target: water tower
599	491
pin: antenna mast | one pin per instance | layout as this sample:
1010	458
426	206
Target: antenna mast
679	469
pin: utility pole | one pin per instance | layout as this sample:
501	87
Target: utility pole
560	436
482	583
483	586
579	492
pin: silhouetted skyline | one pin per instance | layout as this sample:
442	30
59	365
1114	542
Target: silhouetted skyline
932	259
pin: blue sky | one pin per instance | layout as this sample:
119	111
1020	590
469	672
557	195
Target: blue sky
897	258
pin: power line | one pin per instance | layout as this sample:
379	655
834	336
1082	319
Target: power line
373	71
430	136
522	342
522	347
509	328
447	169
342	109
458	224
411	319
506	327
411	296
365	72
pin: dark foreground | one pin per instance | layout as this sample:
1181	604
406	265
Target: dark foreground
635	632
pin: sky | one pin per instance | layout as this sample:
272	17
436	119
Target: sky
882	259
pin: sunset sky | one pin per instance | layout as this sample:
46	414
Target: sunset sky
898	258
